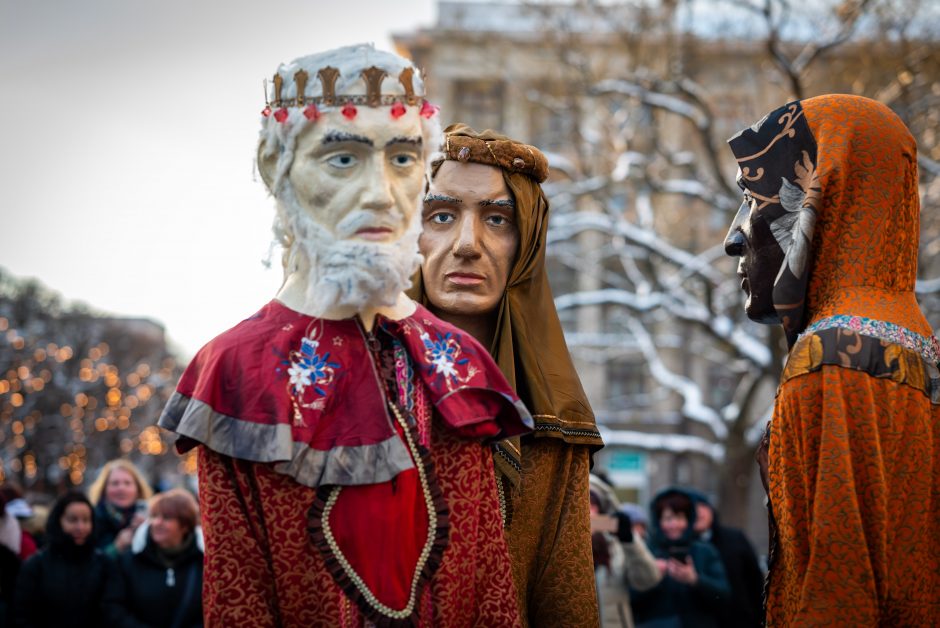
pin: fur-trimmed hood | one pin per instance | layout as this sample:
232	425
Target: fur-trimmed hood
142	535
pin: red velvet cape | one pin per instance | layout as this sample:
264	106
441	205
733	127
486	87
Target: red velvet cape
306	396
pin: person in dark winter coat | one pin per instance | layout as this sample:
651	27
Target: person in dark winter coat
694	586
63	584
158	580
741	567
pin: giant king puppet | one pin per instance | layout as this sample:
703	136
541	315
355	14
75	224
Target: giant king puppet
342	430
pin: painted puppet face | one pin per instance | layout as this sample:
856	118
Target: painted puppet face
361	179
469	239
750	238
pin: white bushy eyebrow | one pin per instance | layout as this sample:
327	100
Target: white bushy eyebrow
430	198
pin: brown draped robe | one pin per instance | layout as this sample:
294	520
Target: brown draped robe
546	474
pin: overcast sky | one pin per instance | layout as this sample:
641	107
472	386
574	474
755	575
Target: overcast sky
128	130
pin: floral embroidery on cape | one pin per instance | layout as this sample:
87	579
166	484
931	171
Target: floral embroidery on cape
311	374
444	361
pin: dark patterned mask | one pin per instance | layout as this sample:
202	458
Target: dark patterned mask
773	230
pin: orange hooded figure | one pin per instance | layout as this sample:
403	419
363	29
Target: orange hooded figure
828	239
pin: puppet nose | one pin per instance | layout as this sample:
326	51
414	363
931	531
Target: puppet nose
735	241
734	244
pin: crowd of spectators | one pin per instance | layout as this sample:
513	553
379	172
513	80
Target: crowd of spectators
124	557
675	567
120	556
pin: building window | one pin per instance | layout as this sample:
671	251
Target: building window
480	103
551	129
627	384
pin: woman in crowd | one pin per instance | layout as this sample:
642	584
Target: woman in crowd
158	581
694	584
63	584
120	494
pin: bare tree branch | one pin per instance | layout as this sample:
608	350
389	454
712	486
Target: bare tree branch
692	406
676	443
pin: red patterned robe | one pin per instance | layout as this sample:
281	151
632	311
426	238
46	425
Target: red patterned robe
343	475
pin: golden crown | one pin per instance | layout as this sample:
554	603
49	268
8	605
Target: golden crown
372	76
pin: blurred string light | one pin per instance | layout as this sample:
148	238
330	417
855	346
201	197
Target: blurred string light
88	394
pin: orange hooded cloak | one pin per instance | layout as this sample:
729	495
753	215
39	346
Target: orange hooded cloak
854	447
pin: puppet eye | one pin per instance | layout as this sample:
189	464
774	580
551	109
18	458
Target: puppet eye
442	218
403	160
343	161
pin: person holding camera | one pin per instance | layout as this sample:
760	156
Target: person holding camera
694	584
622	562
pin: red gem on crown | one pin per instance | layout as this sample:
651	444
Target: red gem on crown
349	111
281	114
266	112
428	110
398	110
312	113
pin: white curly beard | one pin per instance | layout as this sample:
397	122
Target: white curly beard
343	272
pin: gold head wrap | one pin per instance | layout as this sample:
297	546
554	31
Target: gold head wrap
529	345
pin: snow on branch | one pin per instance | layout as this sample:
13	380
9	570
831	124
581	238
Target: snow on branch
565	226
625	161
674	443
561	163
562	194
722	327
693	406
651	98
705	258
689	187
927	286
638	303
599	340
695	189
929	165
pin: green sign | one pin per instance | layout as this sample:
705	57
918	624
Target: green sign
627	461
